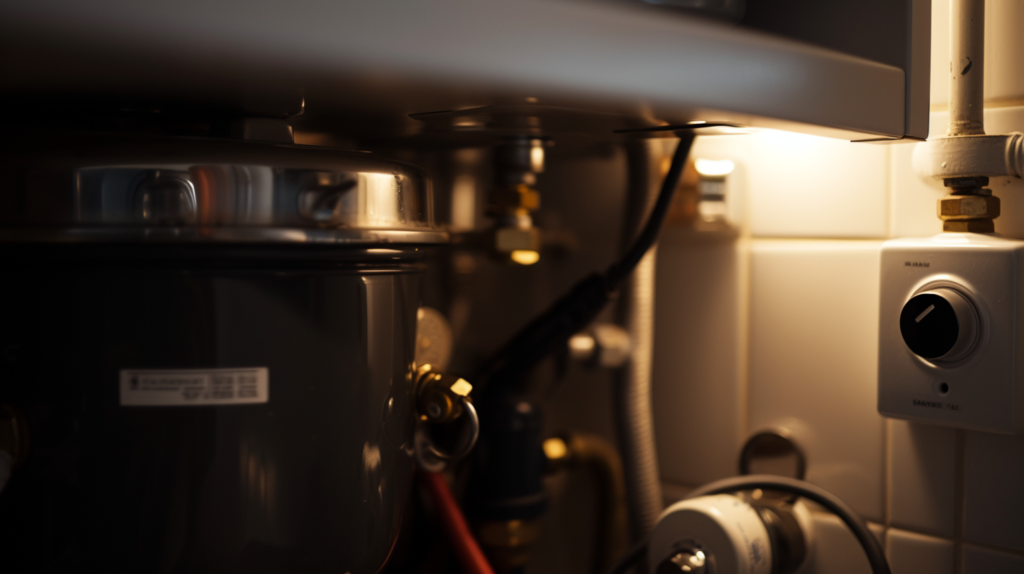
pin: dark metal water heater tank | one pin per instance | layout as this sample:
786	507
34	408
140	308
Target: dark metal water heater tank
205	349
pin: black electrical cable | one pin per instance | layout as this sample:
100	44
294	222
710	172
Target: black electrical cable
871	546
873	550
618	272
581	305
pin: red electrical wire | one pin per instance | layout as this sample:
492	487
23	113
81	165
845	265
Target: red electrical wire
467	550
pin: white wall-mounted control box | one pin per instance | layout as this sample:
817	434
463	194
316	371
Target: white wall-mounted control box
951	331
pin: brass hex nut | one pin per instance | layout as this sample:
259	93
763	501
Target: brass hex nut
529	198
961	207
969	226
515	199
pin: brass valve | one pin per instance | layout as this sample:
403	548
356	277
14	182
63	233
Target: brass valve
514	199
970	208
443	398
440	397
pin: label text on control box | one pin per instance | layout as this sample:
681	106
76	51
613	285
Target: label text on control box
194	387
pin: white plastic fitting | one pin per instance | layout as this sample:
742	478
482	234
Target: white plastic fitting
724	527
728	534
966	151
971	156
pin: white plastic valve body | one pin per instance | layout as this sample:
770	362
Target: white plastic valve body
978	385
724	527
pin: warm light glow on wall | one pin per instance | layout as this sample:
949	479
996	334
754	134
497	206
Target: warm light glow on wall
709	167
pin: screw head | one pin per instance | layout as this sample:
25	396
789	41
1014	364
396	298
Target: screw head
690	561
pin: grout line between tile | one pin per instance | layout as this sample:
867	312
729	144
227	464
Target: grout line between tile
789	238
959	502
887	469
890	182
744	280
993	548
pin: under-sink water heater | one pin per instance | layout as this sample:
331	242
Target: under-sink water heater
951	349
950	345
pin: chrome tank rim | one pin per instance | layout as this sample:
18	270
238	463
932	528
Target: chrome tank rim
106	188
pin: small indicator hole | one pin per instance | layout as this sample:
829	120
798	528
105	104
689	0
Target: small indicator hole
943	388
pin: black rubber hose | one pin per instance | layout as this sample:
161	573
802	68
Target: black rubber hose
618	272
871	546
581	305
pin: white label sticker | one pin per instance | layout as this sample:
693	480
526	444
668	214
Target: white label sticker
194	387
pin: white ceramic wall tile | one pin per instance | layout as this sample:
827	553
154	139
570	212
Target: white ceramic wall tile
914	197
940	55
836	551
1004	51
993	497
911	553
985	561
813	360
922	476
697	377
1009	190
808	186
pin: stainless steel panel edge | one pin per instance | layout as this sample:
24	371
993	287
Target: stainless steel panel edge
468	52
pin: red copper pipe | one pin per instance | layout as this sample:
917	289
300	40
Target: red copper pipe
467	550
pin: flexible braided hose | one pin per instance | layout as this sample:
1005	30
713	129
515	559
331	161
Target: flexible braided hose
633	387
633	402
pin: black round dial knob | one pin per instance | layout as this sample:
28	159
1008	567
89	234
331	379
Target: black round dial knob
939	324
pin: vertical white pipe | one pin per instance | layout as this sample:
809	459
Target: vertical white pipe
966	67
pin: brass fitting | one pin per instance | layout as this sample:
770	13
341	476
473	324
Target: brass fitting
601	459
519	199
970	226
508	542
972	213
439	396
970	207
514	199
514	232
